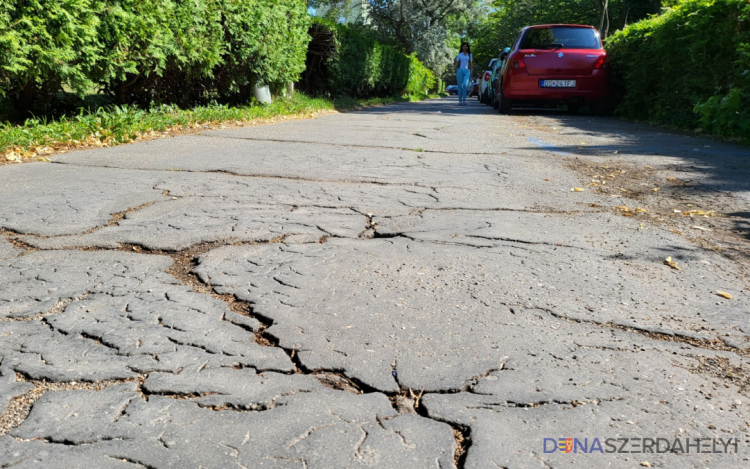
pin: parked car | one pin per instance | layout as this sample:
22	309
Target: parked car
484	81
473	88
494	78
555	63
451	89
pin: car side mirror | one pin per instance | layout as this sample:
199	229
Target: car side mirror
504	54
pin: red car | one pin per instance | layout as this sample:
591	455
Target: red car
560	63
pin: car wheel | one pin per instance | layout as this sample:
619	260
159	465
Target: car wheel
503	104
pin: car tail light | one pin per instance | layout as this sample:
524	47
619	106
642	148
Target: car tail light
602	62
517	61
487	76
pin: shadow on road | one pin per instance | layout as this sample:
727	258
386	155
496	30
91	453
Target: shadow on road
725	166
691	171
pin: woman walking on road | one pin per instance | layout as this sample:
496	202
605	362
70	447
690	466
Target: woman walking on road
463	72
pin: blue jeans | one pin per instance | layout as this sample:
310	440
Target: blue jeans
462	76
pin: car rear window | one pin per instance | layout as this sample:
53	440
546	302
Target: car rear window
562	38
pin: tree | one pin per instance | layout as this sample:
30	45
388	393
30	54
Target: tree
424	26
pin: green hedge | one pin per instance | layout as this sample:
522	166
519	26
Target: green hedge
688	67
149	50
346	61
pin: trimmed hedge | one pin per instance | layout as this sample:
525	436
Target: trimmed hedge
688	67
176	51
345	61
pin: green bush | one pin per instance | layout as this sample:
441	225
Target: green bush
138	51
158	51
344	60
266	41
729	113
687	67
421	79
44	45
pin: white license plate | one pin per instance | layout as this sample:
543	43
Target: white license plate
558	84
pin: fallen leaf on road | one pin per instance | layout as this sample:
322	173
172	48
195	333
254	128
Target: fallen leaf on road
655	189
668	261
671	179
676	231
702	228
641	210
699	213
595	205
724	294
577	189
646	464
547	179
622	208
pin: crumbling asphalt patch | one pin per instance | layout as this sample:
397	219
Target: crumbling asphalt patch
275	303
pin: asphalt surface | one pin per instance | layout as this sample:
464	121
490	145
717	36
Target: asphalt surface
410	286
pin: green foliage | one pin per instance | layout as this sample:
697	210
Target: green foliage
345	60
138	51
46	43
729	114
687	67
266	39
421	79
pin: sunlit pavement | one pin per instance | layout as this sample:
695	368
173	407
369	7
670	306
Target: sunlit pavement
409	286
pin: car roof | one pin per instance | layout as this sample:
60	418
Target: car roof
560	25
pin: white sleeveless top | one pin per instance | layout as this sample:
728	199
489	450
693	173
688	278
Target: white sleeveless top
463	59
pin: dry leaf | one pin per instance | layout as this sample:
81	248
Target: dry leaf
676	231
547	179
702	228
671	179
577	189
646	464
622	208
668	261
724	294
655	189
641	210
595	205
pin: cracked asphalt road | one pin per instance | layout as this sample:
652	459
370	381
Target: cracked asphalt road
408	286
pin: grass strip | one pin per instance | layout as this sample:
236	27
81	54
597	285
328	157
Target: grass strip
37	138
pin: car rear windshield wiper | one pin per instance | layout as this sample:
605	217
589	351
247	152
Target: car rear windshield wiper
551	45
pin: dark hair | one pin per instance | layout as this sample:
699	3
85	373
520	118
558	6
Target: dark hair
461	49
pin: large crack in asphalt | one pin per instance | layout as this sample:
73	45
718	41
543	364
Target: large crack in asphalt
349	145
406	400
716	344
266	176
184	262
